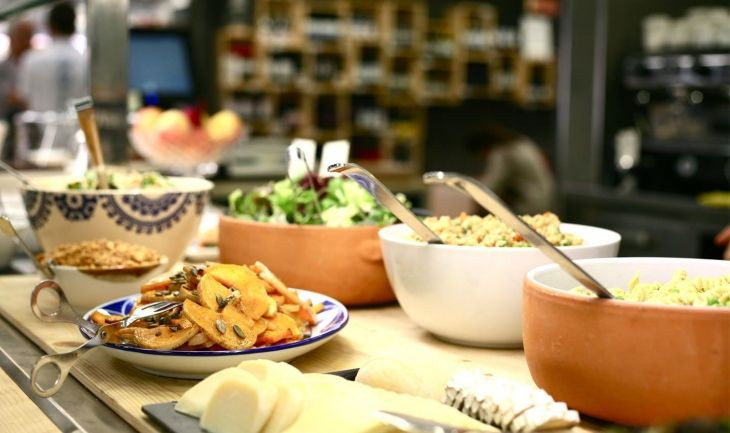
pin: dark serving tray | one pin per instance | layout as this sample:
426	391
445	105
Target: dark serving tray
164	415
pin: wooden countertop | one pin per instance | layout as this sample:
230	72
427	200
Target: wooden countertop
371	332
18	413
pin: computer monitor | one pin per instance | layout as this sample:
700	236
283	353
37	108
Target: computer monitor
160	65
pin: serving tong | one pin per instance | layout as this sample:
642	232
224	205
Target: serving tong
64	313
482	195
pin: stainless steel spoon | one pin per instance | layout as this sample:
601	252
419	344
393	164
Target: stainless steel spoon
7	228
17	174
64	313
490	201
383	195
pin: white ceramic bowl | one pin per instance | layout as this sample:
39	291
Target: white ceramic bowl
165	221
86	290
473	295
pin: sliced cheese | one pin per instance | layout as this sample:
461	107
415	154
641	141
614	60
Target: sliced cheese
239	404
338	405
419	378
291	389
193	402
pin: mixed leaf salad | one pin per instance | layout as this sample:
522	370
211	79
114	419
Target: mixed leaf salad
122	179
334	202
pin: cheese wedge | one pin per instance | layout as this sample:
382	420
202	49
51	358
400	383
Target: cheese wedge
291	388
338	405
193	402
239	404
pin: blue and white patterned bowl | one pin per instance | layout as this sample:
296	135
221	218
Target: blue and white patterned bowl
165	221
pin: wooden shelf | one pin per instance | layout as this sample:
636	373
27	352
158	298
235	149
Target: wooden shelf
300	54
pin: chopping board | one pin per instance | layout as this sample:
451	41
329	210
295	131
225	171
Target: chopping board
371	332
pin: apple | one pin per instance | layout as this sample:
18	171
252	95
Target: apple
146	118
223	126
173	125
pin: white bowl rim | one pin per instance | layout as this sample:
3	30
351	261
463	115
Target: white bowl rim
181	184
535	273
389	234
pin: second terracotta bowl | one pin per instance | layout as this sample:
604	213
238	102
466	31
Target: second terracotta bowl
345	263
628	362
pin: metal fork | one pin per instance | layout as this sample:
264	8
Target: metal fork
64	313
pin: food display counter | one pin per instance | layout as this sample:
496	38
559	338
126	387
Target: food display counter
109	384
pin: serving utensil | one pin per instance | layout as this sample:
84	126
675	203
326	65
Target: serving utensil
7	228
87	120
17	174
385	197
490	201
414	424
64	313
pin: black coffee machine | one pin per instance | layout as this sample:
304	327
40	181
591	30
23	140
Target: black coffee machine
682	112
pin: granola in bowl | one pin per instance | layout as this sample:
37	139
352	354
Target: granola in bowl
103	254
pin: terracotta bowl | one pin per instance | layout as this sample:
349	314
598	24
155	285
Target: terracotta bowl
628	362
344	263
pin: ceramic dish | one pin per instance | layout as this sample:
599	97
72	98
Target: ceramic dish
473	295
198	364
85	290
164	220
628	362
349	259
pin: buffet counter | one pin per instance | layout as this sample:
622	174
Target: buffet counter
121	388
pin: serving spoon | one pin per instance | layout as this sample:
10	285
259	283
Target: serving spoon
385	197
7	228
87	120
490	201
64	313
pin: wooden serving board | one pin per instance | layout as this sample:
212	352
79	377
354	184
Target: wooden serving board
371	332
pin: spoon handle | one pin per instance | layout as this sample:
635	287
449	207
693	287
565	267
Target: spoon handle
87	119
7	228
490	201
383	195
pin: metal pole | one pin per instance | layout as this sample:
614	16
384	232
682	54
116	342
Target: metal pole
108	39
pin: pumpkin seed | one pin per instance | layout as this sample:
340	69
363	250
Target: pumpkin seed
221	326
237	329
176	293
221	302
174	328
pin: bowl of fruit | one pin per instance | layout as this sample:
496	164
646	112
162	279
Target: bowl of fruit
184	140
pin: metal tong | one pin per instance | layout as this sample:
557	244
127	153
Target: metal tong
64	313
490	201
385	197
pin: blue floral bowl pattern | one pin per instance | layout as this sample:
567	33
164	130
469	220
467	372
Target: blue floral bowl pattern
163	220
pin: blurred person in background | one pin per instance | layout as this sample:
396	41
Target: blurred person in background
51	78
20	33
514	167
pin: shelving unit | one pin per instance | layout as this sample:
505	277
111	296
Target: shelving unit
366	71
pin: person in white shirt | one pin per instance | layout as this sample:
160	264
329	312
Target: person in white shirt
51	78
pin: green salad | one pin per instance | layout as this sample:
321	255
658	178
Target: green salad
334	202
122	179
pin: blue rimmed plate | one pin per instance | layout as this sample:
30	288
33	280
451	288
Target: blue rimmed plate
198	364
